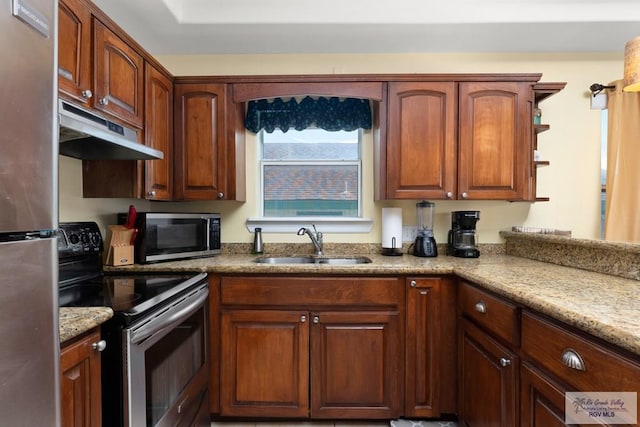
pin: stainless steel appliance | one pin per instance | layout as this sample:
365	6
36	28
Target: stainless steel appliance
29	353
86	135
166	236
155	367
462	236
425	243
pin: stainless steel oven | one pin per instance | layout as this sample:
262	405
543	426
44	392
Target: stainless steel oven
166	364
155	367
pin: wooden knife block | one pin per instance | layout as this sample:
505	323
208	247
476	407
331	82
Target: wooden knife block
120	249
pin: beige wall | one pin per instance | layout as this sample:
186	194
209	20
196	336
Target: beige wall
572	181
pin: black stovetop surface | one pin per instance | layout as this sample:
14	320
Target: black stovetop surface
82	282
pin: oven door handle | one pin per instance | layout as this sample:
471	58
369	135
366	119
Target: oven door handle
167	320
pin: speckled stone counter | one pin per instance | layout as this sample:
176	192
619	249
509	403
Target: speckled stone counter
605	306
76	321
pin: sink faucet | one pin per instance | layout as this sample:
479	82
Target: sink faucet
315	239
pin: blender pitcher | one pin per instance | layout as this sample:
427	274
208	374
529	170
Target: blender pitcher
425	244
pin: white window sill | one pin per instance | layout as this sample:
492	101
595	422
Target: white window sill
323	224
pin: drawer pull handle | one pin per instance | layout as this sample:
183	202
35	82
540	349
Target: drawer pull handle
504	362
572	359
481	307
303	318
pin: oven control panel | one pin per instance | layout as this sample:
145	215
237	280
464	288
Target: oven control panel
78	238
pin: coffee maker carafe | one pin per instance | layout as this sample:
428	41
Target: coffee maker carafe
425	244
462	236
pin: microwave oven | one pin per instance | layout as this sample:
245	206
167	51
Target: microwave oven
164	236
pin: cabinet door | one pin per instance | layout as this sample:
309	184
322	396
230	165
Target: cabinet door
264	368
118	77
488	394
80	389
541	399
422	348
355	365
200	145
158	131
495	151
421	142
74	50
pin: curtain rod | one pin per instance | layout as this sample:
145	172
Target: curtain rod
596	88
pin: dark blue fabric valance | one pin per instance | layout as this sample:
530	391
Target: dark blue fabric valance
331	114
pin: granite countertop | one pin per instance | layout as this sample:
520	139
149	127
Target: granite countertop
603	305
75	321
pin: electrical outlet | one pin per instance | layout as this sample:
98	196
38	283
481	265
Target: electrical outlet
409	233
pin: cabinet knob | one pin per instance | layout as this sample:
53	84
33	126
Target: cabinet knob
103	101
573	360
303	318
465	195
86	94
413	284
449	195
100	345
152	193
316	319
481	307
504	362
221	195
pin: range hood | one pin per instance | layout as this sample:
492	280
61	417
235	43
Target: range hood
86	135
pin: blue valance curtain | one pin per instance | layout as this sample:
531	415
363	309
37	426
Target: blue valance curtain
331	114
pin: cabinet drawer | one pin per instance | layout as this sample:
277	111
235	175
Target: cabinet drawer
492	313
595	367
308	291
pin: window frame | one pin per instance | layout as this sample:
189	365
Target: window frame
336	224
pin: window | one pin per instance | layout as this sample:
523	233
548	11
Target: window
311	173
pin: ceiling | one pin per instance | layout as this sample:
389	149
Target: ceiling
169	27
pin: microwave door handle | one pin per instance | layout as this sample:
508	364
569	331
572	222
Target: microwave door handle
208	233
152	328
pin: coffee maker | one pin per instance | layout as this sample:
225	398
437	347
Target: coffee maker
462	236
425	243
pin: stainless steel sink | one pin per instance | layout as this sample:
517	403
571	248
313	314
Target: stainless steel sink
333	260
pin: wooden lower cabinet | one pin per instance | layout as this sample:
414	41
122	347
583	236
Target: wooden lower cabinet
311	347
355	364
430	347
298	364
541	399
80	397
265	363
488	375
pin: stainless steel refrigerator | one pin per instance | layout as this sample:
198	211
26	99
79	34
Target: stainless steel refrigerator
29	335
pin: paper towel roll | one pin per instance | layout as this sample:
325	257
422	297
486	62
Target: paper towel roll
392	228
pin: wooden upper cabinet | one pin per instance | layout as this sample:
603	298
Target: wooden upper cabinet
457	140
118	77
421	140
208	161
74	51
495	143
158	130
96	67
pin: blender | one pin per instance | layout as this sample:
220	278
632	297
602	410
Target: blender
462	236
425	244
